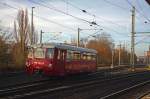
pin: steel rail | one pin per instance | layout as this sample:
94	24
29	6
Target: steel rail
36	83
143	95
41	82
78	85
110	96
18	86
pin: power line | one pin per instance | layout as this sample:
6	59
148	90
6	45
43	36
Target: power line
72	5
141	40
116	5
53	21
43	18
85	11
119	6
57	10
141	7
138	11
93	34
114	31
5	4
47	20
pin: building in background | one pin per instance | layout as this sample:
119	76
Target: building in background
148	56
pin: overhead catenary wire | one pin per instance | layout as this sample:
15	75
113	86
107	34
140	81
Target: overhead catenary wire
144	16
85	11
141	8
113	4
142	40
91	14
140	5
57	10
116	5
42	18
61	24
53	8
91	35
47	20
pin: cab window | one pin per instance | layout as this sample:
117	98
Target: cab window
39	53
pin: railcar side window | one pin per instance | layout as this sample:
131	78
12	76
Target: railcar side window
76	56
69	55
89	57
50	53
84	56
63	55
58	56
93	57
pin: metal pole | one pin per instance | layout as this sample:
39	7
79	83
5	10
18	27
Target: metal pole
145	57
112	65
78	41
41	36
119	54
32	26
132	38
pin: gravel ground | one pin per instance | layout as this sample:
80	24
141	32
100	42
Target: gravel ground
136	93
11	79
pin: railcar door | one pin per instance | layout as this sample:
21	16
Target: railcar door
60	61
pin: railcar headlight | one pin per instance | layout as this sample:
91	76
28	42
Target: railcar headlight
35	62
49	65
27	64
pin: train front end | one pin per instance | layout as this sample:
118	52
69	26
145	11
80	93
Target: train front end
40	60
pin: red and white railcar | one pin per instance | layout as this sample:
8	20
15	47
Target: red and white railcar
60	59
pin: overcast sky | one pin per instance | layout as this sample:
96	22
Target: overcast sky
113	16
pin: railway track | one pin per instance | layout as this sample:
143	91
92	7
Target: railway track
19	88
105	72
18	78
145	96
40	89
126	90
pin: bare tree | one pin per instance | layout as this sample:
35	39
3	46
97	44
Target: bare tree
22	28
73	41
83	42
5	50
21	35
103	44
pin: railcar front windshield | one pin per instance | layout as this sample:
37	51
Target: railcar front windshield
30	53
39	53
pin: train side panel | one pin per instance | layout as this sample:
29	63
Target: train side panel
60	60
77	62
80	66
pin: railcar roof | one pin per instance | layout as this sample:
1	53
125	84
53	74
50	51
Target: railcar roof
65	46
